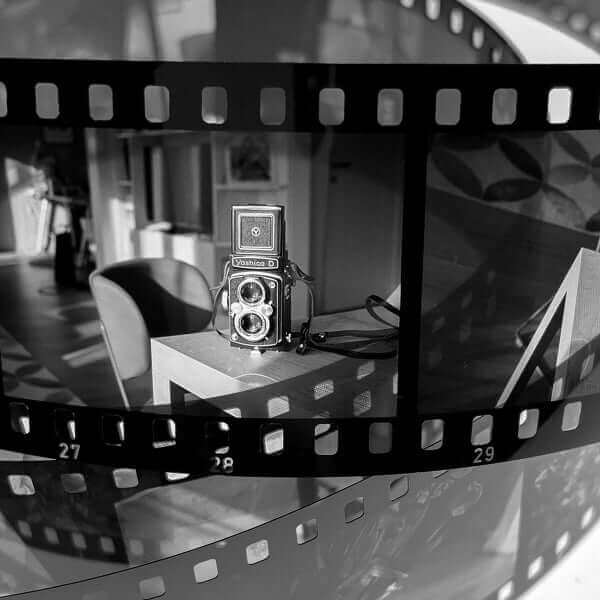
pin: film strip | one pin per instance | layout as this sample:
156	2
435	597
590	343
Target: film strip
57	478
134	87
165	440
525	517
70	511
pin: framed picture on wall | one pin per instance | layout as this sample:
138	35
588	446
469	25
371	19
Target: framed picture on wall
248	160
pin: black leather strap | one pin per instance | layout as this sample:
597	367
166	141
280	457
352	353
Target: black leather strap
354	348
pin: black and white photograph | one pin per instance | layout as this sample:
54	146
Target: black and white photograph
299	299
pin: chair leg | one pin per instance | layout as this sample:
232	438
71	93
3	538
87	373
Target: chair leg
114	367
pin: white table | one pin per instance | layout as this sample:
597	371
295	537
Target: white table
316	383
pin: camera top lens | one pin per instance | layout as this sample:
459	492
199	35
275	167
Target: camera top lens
251	291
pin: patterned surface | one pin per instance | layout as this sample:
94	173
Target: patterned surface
554	177
24	377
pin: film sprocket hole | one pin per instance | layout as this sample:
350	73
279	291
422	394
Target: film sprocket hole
259	286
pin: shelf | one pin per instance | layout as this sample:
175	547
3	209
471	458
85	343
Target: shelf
249	187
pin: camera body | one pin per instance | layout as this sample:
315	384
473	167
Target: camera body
259	287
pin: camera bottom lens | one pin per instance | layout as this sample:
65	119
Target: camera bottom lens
252	326
251	323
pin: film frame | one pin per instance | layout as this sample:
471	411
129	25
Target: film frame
303	83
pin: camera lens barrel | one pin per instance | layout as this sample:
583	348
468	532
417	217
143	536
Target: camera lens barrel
251	325
251	291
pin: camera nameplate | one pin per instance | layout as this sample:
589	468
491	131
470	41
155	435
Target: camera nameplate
254	262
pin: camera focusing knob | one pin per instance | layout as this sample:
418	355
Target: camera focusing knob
266	310
320	338
236	308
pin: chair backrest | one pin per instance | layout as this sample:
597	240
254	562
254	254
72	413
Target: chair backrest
148	297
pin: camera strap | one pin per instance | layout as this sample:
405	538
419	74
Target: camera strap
353	348
219	293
